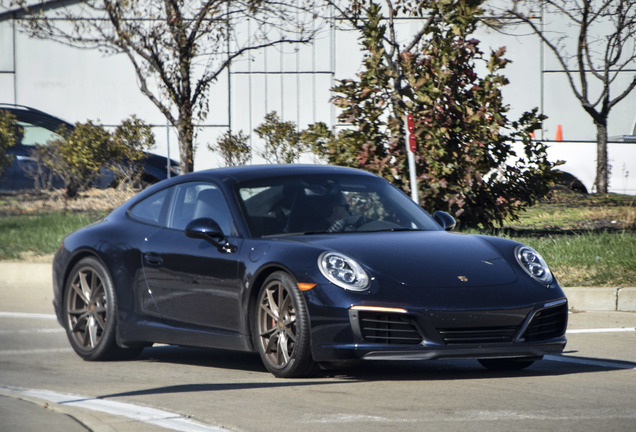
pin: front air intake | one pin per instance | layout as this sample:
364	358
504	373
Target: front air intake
547	324
478	335
387	328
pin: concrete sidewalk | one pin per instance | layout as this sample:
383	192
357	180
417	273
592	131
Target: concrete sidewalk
27	416
621	299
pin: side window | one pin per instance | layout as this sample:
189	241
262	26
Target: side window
198	200
185	202
152	209
267	208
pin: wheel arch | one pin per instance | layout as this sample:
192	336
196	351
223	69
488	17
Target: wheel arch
72	262
115	348
255	286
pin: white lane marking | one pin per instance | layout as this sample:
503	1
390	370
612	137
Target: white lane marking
35	351
353	418
157	417
32	331
26	315
603	330
618	364
475	415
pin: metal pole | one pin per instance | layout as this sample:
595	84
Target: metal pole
168	149
229	77
542	67
411	158
15	62
412	174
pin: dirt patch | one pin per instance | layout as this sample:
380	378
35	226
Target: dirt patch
93	200
567	212
32	257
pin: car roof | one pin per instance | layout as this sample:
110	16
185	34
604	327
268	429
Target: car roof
35	117
256	172
229	176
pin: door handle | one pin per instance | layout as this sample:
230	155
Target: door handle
153	260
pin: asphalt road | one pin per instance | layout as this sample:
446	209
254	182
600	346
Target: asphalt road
45	386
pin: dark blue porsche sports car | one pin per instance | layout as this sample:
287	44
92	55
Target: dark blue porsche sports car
306	265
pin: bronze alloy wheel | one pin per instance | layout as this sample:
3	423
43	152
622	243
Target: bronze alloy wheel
86	308
282	328
90	313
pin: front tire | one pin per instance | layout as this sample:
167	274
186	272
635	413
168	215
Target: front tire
280	328
90	312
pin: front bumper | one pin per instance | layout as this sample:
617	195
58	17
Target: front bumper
374	333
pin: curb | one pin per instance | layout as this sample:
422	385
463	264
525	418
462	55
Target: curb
622	299
18	272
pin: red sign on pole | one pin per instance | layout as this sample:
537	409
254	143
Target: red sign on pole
410	133
410	123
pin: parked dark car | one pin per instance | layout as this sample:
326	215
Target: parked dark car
39	128
306	265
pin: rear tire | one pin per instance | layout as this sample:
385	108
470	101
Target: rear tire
281	328
90	312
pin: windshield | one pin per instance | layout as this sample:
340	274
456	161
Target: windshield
328	204
34	134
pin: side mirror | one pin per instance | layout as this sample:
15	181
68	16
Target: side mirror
446	221
208	229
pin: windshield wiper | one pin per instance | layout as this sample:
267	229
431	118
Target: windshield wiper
321	232
394	230
360	231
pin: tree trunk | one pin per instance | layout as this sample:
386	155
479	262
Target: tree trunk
185	133
186	154
602	167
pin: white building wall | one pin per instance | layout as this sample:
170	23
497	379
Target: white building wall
79	85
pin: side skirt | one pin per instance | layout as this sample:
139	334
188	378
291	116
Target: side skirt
145	332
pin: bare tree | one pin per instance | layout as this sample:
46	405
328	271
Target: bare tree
352	13
602	47
178	47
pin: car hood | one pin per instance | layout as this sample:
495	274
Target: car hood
423	258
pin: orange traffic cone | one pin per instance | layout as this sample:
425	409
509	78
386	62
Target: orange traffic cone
559	133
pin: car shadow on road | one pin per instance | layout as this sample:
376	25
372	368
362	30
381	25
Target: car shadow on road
426	370
211	357
453	370
432	370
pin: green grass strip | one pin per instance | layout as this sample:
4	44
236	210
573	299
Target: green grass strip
589	259
38	234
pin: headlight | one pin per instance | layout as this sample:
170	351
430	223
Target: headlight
343	271
533	264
